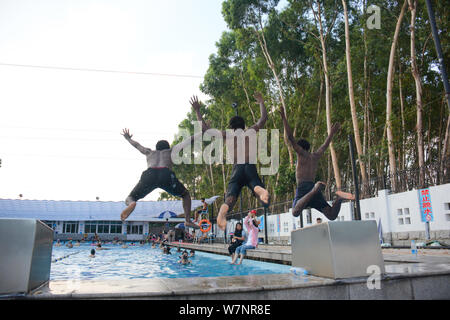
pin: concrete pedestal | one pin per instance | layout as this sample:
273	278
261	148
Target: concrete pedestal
337	249
25	255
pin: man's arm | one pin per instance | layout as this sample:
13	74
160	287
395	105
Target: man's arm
262	120
127	135
196	106
334	129
290	135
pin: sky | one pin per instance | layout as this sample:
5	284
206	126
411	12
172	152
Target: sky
60	129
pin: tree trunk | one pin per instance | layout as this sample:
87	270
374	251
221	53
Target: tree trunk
390	78
334	159
418	82
359	150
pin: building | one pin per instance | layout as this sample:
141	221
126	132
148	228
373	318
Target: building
83	219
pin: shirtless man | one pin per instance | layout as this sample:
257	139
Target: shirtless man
243	173
308	194
158	175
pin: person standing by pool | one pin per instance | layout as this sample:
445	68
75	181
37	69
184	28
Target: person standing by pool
159	174
252	223
237	239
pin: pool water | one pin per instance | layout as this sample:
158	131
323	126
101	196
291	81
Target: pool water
140	262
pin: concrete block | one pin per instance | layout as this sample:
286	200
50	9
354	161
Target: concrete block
26	252
337	249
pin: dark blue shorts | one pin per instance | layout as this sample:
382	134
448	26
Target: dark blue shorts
317	202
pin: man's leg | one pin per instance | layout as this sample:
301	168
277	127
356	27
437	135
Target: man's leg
304	201
332	212
131	205
263	195
224	208
187	210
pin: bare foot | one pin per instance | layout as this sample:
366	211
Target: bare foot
222	221
345	195
128	210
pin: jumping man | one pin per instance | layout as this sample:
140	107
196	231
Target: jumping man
243	173
308	193
158	175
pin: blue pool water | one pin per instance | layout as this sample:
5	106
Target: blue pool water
146	262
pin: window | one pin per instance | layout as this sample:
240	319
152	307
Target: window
406	211
70	227
103	227
51	224
400	221
447	217
367	215
372	215
342	218
272	227
308	216
286	226
135	229
407	220
399	212
447	206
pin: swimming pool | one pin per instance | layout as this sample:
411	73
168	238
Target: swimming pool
146	262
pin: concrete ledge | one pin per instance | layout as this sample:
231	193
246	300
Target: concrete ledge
261	287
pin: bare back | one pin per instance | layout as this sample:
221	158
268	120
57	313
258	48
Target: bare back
159	158
307	164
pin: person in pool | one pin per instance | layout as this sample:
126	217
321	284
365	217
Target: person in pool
252	223
69	244
58	243
192	254
184	258
92	253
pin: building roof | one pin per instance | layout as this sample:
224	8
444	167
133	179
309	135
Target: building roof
54	210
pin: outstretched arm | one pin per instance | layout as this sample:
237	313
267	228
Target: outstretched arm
290	135
196	106
127	135
334	129
262	120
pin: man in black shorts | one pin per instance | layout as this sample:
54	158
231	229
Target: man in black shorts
308	193
244	172
158	175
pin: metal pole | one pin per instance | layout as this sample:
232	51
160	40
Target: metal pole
355	178
266	237
437	44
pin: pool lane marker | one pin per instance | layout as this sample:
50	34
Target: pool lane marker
59	259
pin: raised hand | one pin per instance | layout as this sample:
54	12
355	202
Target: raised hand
195	103
335	128
126	133
258	97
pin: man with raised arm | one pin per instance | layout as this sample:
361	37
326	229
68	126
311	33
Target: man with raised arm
308	193
244	169
159	174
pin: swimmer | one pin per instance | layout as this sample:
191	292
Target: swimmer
69	244
92	253
159	174
77	244
308	193
124	246
243	174
58	243
184	258
192	254
99	247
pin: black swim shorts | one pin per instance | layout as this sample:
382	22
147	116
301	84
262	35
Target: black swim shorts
317	202
243	175
153	178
